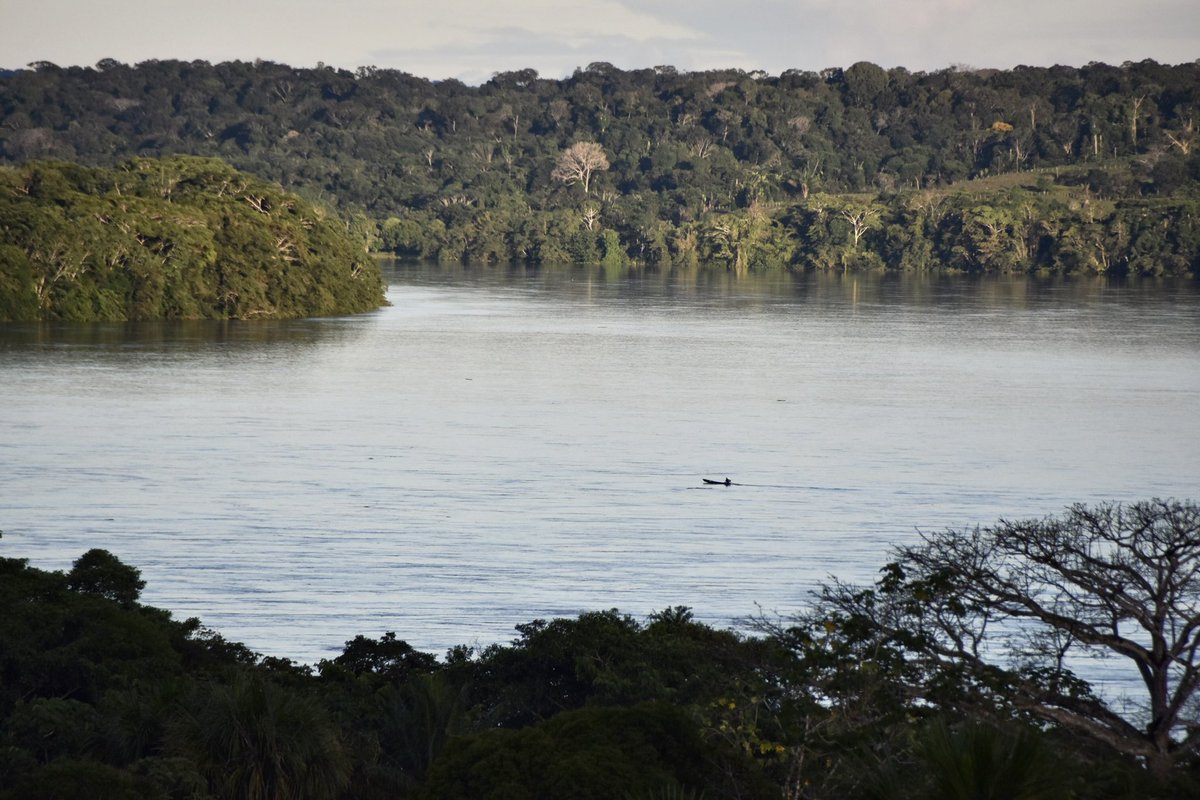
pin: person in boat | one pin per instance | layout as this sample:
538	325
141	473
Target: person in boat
725	482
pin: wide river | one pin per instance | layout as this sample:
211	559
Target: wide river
497	445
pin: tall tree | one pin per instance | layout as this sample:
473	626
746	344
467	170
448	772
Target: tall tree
1010	607
577	163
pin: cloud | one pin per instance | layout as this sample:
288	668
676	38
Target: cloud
552	56
471	39
453	23
454	35
932	34
550	37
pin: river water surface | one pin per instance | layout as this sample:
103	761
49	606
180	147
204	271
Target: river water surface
497	445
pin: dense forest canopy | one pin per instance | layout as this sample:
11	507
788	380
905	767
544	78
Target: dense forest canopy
1057	168
172	238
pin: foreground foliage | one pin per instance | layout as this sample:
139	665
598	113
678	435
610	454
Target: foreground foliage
901	690
177	238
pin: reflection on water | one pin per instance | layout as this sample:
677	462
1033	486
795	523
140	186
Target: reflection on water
187	336
501	444
781	288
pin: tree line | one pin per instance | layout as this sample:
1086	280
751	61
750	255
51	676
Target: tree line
950	677
1031	169
172	238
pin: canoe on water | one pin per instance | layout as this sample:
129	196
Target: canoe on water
711	482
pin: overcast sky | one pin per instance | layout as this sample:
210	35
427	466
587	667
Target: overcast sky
471	39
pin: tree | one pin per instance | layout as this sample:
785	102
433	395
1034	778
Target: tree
646	750
80	778
861	218
1009	607
100	572
173	238
419	718
978	761
254	740
1185	137
989	240
577	163
865	81
387	657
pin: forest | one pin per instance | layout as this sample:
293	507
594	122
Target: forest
918	686
1059	169
172	238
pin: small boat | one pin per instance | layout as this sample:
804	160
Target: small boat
711	482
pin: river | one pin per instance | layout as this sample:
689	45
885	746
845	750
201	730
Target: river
499	445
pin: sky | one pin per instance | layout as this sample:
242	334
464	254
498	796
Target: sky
472	39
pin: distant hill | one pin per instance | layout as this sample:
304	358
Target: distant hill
173	238
741	168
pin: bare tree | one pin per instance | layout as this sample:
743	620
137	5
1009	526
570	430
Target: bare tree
701	146
1185	137
577	163
1014	605
861	218
484	152
589	216
1134	111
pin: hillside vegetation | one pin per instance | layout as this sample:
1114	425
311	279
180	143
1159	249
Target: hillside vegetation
171	238
861	167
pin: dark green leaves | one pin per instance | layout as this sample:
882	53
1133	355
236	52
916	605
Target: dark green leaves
178	238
